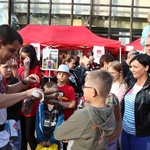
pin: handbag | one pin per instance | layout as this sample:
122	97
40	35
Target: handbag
52	147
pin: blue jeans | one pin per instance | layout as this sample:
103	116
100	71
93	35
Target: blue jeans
132	142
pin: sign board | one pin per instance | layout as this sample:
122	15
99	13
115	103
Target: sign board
98	51
128	48
50	59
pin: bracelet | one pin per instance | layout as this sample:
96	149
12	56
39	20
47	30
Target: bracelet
24	83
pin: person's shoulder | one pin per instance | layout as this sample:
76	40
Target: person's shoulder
78	68
82	114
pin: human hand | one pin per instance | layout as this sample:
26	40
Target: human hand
51	95
38	94
48	143
30	93
43	143
32	78
26	61
14	64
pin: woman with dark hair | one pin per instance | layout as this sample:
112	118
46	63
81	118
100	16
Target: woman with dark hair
136	106
30	66
31	53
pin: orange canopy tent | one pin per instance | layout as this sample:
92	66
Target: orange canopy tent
66	37
136	45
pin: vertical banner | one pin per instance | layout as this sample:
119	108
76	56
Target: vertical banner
50	59
98	51
37	48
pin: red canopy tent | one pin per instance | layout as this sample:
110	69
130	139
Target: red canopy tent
136	45
66	37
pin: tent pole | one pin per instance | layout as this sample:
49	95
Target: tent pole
120	54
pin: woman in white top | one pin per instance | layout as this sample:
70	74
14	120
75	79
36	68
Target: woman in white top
119	86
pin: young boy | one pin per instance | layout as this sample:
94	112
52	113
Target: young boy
90	128
48	117
67	91
67	94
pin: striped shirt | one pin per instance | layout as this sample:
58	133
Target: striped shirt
129	117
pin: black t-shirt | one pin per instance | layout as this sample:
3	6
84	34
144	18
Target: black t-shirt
50	119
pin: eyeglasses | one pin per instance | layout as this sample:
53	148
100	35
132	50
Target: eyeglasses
83	87
147	45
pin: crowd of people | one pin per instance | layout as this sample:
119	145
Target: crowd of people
113	97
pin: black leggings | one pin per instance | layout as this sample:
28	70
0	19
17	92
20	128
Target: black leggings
28	132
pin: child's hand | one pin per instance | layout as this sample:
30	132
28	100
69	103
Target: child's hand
43	143
48	143
26	62
14	64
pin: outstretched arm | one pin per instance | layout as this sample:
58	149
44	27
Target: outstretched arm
72	128
13	88
16	97
7	100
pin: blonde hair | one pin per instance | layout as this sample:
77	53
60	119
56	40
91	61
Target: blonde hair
84	61
101	80
116	65
67	58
